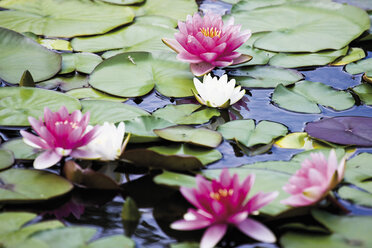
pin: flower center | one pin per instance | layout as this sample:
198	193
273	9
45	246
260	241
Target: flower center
211	32
66	122
221	193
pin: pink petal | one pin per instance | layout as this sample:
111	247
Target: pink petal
190	196
46	159
173	44
33	140
199	69
213	235
237	218
188	57
256	230
190	224
260	200
225	178
297	201
80	153
208	57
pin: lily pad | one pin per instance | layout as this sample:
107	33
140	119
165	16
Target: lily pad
356	196
186	113
349	130
354	54
18	103
62	18
20	149
360	66
123	2
92	94
174	179
19	53
359	171
295	60
249	134
142	128
6	159
364	92
299	140
197	136
319	25
260	57
81	62
305	96
151	28
65	83
55	44
25	186
265	76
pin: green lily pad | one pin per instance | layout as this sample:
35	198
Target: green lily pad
20	149
354	54
92	94
186	114
151	28
65	83
249	134
6	159
113	241
347	231
114	112
25	186
359	170
55	44
360	66
62	18
81	62
305	96
19	53
364	92
299	140
18	103
123	2
356	196
260	57
174	179
266	77
294	60
197	136
319	25
142	128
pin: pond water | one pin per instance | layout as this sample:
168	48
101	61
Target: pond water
160	206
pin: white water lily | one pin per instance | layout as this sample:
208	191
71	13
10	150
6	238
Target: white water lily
217	93
109	144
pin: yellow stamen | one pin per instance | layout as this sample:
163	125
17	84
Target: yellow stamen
222	193
210	32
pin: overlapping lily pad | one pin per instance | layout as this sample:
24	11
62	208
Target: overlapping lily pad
62	18
92	94
265	76
123	2
20	149
364	92
114	112
319	25
23	186
18	103
305	96
65	83
348	130
361	66
81	62
6	159
298	140
19	53
186	114
359	171
354	54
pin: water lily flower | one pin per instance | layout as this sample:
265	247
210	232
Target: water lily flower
217	93
60	134
223	202
314	180
206	42
109	142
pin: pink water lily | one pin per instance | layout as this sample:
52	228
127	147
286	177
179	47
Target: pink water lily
60	134
206	42
223	202
314	180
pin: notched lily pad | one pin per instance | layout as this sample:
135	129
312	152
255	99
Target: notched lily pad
81	62
20	149
6	159
348	130
25	186
197	136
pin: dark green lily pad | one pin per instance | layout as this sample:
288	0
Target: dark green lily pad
92	94
360	66
18	103
6	159
59	19
24	186
174	179
197	136
20	149
142	128
295	60
305	96
266	77
19	53
114	112
81	62
348	130
186	114
247	133
65	83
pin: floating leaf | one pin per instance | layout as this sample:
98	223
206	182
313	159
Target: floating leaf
295	60
123	2
356	196
18	103
81	62
186	113
114	112
92	94
349	130
175	179
299	140
6	159
265	76
364	92
319	25
197	136
55	44
354	54
360	66
19	53
305	96
26	80
66	18
363	4
20	149
130	211
65	83
24	186
359	171
259	57
249	134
